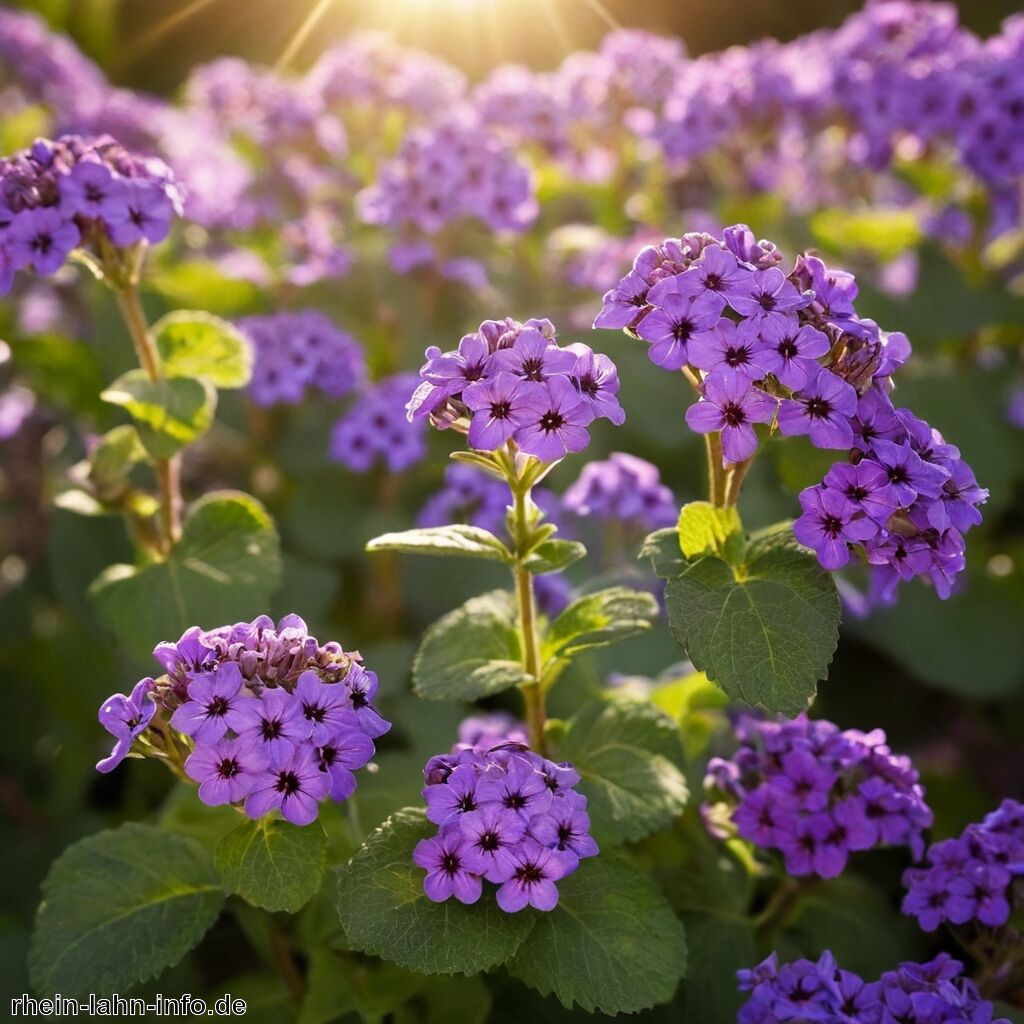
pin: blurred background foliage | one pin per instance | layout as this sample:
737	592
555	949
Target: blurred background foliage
943	678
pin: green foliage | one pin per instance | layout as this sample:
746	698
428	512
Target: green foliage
472	652
470	541
554	555
169	413
200	284
662	549
384	910
119	907
194	344
882	232
630	762
598	620
706	529
765	631
273	864
719	947
223	569
612	944
114	457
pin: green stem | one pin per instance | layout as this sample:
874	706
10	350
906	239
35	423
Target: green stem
533	694
168	471
779	909
713	446
735	481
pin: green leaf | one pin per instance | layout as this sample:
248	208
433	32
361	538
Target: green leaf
273	864
883	232
554	556
457	539
223	569
719	947
119	907
765	633
705	529
118	452
662	550
193	344
599	620
169	413
629	758
201	284
612	944
471	652
385	911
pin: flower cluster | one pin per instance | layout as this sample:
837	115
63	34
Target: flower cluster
510	381
622	489
270	718
931	993
370	432
301	350
453	168
789	350
816	793
505	815
971	878
58	196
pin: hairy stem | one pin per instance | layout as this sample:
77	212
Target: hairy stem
734	483
168	471
713	446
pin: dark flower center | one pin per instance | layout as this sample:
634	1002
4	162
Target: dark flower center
270	728
734	414
42	244
450	864
530	874
490	841
818	408
467	803
359	699
328	755
682	329
737	356
227	768
288	783
832	525
897	475
314	712
857	493
514	801
766	302
532	368
501	410
94	194
551	421
564	834
787	348
589	386
713	282
218	707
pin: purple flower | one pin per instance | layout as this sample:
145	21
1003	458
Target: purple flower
682	313
908	473
565	825
865	486
326	706
275	722
876	418
216	703
790	354
42	239
529	876
295	786
501	406
822	408
557	418
732	405
454	797
769	300
729	347
340	756
126	718
533	357
445	858
959	500
146	216
597	380
91	190
362	687
719	271
226	771
450	372
623	305
830	522
766	816
519	788
492	833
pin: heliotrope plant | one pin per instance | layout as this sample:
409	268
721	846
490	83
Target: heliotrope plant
260	716
786	353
